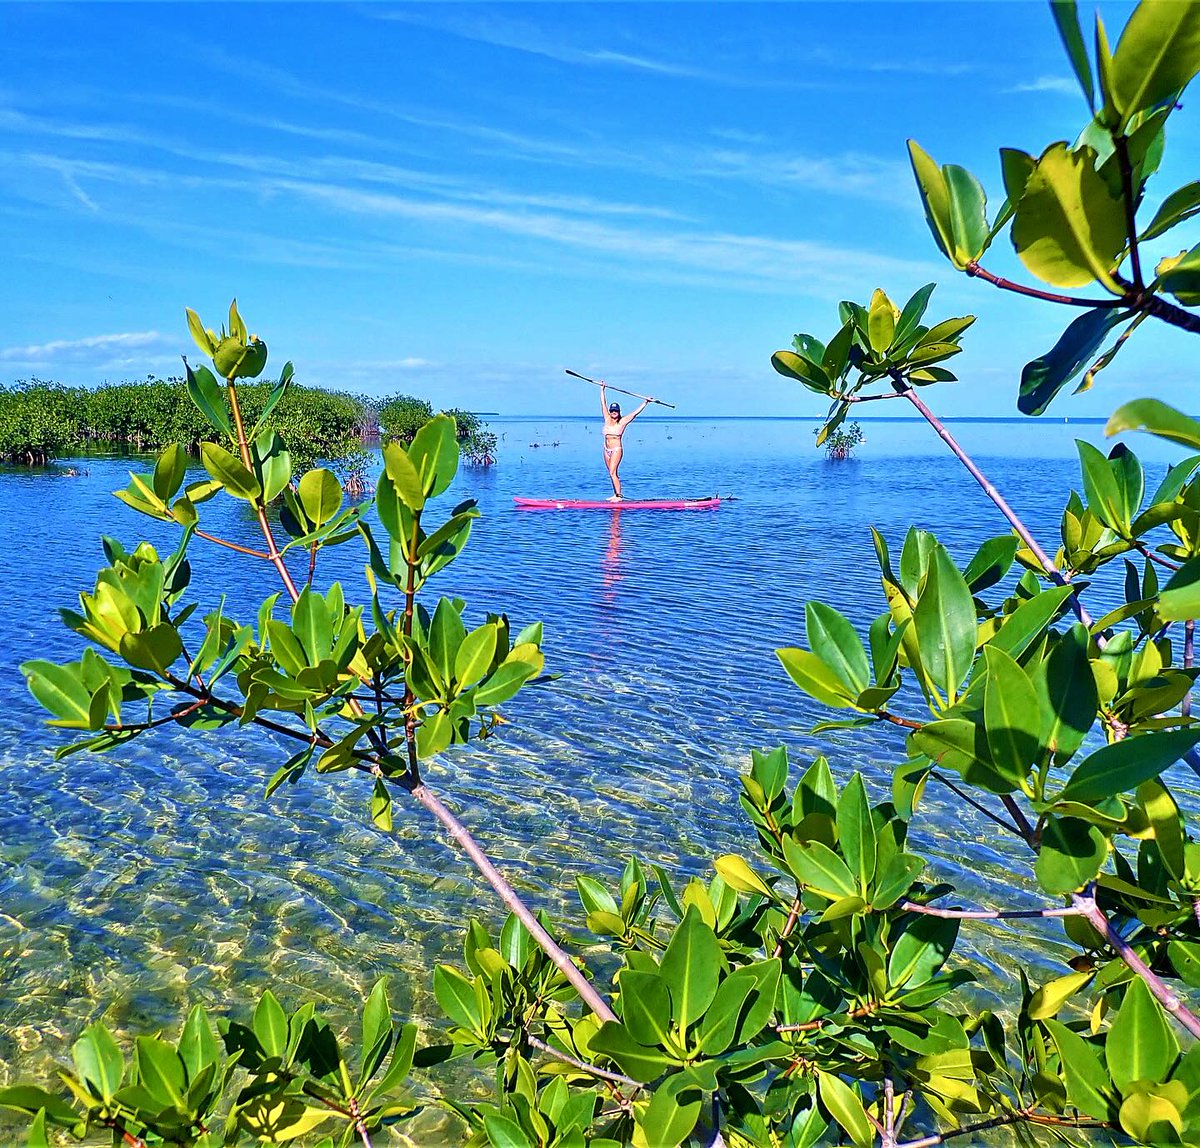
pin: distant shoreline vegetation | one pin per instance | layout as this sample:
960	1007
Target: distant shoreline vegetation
41	421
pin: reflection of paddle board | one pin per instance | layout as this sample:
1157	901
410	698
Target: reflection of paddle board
709	503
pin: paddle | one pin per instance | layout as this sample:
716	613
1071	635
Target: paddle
632	394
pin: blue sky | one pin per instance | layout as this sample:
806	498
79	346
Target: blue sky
458	201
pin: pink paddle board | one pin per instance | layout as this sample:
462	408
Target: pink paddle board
709	503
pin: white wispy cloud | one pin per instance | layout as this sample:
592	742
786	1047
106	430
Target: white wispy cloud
639	248
502	31
411	363
719	254
850	173
14	121
302	88
887	65
59	348
1063	85
735	157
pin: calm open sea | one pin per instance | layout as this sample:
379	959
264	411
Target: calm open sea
134	884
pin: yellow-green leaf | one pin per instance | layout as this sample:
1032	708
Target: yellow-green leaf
229	471
1069	228
1157	56
935	196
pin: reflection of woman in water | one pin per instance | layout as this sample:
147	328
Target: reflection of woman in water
614	428
611	562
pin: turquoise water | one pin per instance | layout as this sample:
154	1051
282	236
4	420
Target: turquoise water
134	884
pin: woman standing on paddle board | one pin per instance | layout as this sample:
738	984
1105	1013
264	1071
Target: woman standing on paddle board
614	428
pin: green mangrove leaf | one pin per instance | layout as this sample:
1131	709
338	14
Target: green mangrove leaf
992	561
273	399
804	370
1029	621
834	640
594	897
961	745
169	471
161	1071
947	331
645	1006
1066	17
1088	1085
1124	765
503	1132
1107	117
475	655
1163	815
1012	717
275	1117
229	472
60	690
456	996
312	625
735	871
321	495
816	867
895	879
881	322
155	648
381	806
944	621
837	352
1108	495
99	1060
856	831
1071	854
30	1099
720	1024
275	464
912	313
1155	1115
846	1107
639	1061
1069	229
1180	205
1048	1000
1158	419
935	198
1067	694
690	967
968	215
921	950
404	476
1042	378
1016	167
1156	58
434	454
816	678
434	735
672	1112
203	339
1181	277
1140	1044
504	682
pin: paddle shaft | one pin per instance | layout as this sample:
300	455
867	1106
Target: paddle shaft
619	390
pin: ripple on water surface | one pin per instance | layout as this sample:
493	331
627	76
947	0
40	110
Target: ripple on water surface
135	884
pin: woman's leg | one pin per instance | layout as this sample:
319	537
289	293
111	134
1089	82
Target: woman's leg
613	458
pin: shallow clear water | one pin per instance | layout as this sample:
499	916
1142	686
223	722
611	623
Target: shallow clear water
134	884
